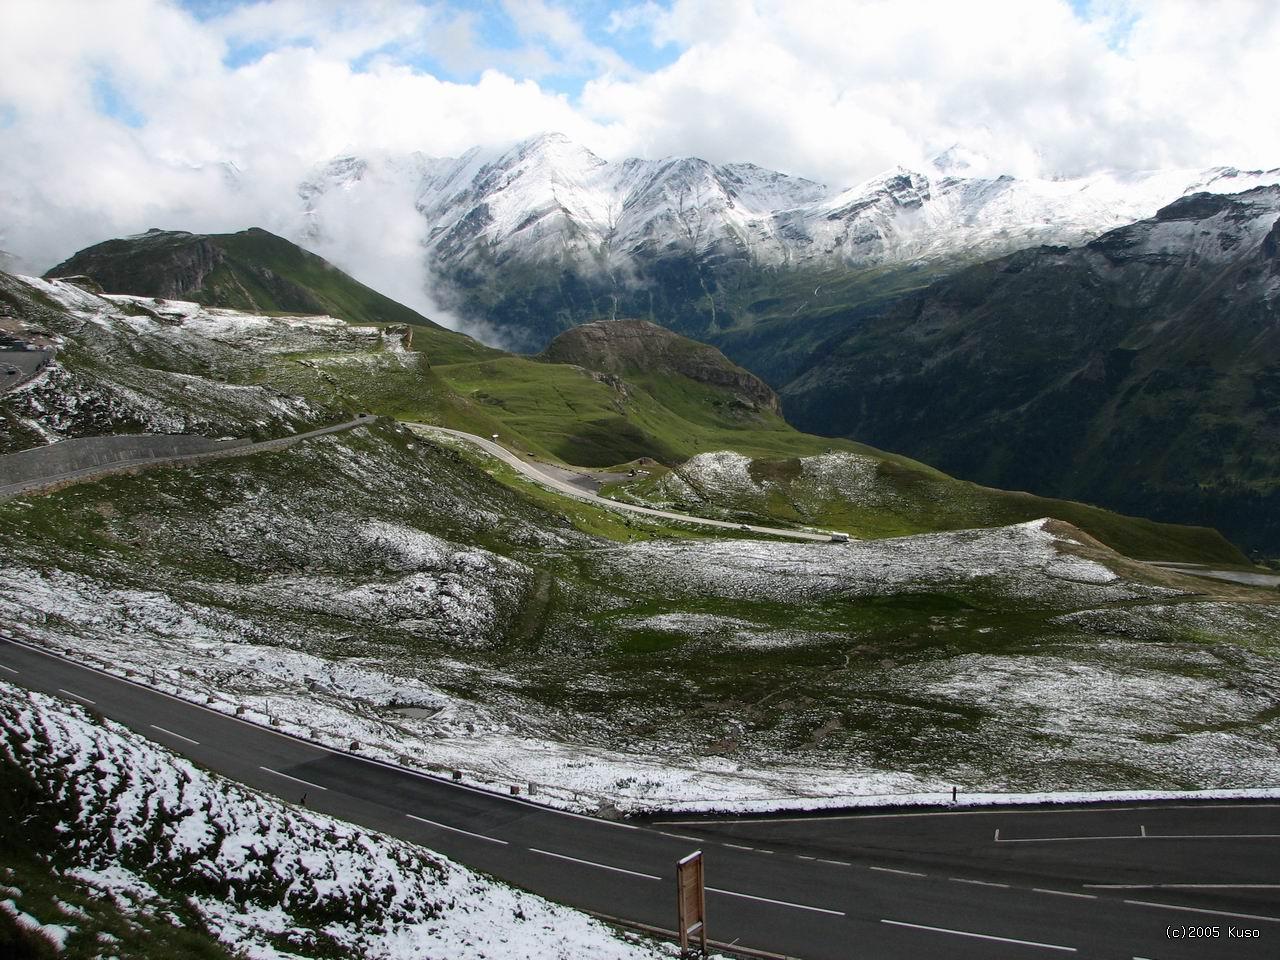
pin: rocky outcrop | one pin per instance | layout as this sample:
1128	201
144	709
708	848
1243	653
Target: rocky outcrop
630	347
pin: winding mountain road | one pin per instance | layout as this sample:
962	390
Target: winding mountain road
1162	882
569	490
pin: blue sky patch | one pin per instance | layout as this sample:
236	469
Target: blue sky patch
111	102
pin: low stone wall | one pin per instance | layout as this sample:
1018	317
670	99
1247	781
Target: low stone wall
85	453
62	464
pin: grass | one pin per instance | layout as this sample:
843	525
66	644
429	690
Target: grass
563	412
907	499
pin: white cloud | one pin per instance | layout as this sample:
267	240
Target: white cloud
830	89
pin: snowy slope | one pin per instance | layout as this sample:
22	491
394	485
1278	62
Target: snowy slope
147	827
548	198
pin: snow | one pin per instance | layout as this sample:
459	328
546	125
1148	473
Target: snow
253	867
174	350
546	195
1023	559
55	933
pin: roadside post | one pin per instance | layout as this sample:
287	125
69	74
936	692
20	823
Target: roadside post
691	904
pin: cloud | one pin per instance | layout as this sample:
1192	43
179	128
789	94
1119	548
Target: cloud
121	116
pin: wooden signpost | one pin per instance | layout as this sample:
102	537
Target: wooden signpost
691	904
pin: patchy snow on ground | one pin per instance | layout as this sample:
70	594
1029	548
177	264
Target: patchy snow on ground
261	873
841	476
722	481
1023	561
1097	714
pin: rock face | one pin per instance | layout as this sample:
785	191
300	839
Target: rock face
630	347
1140	371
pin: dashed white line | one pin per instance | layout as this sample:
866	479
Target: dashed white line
178	735
981	936
781	903
677	836
592	863
1216	913
77	696
306	783
838	863
736	846
9	669
905	873
1065	893
445	826
979	883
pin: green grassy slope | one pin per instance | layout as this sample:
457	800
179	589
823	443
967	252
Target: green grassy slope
871	498
256	271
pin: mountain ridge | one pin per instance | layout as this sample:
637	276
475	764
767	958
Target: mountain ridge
1138	371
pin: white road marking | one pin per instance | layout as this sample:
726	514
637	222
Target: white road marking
678	836
980	883
801	856
838	863
1147	836
445	826
1216	913
178	735
307	783
736	846
592	863
781	903
1183	886
981	936
906	873
76	695
10	669
1065	893
1143	828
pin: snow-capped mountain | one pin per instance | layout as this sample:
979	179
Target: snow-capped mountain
548	198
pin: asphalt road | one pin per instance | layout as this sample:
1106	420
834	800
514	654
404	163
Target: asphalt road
1163	882
569	490
1247	577
19	366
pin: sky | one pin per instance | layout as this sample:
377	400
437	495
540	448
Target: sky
120	115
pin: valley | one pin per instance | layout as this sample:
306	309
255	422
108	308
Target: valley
434	604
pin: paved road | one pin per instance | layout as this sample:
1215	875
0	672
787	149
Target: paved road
20	366
1234	576
570	490
57	477
902	886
